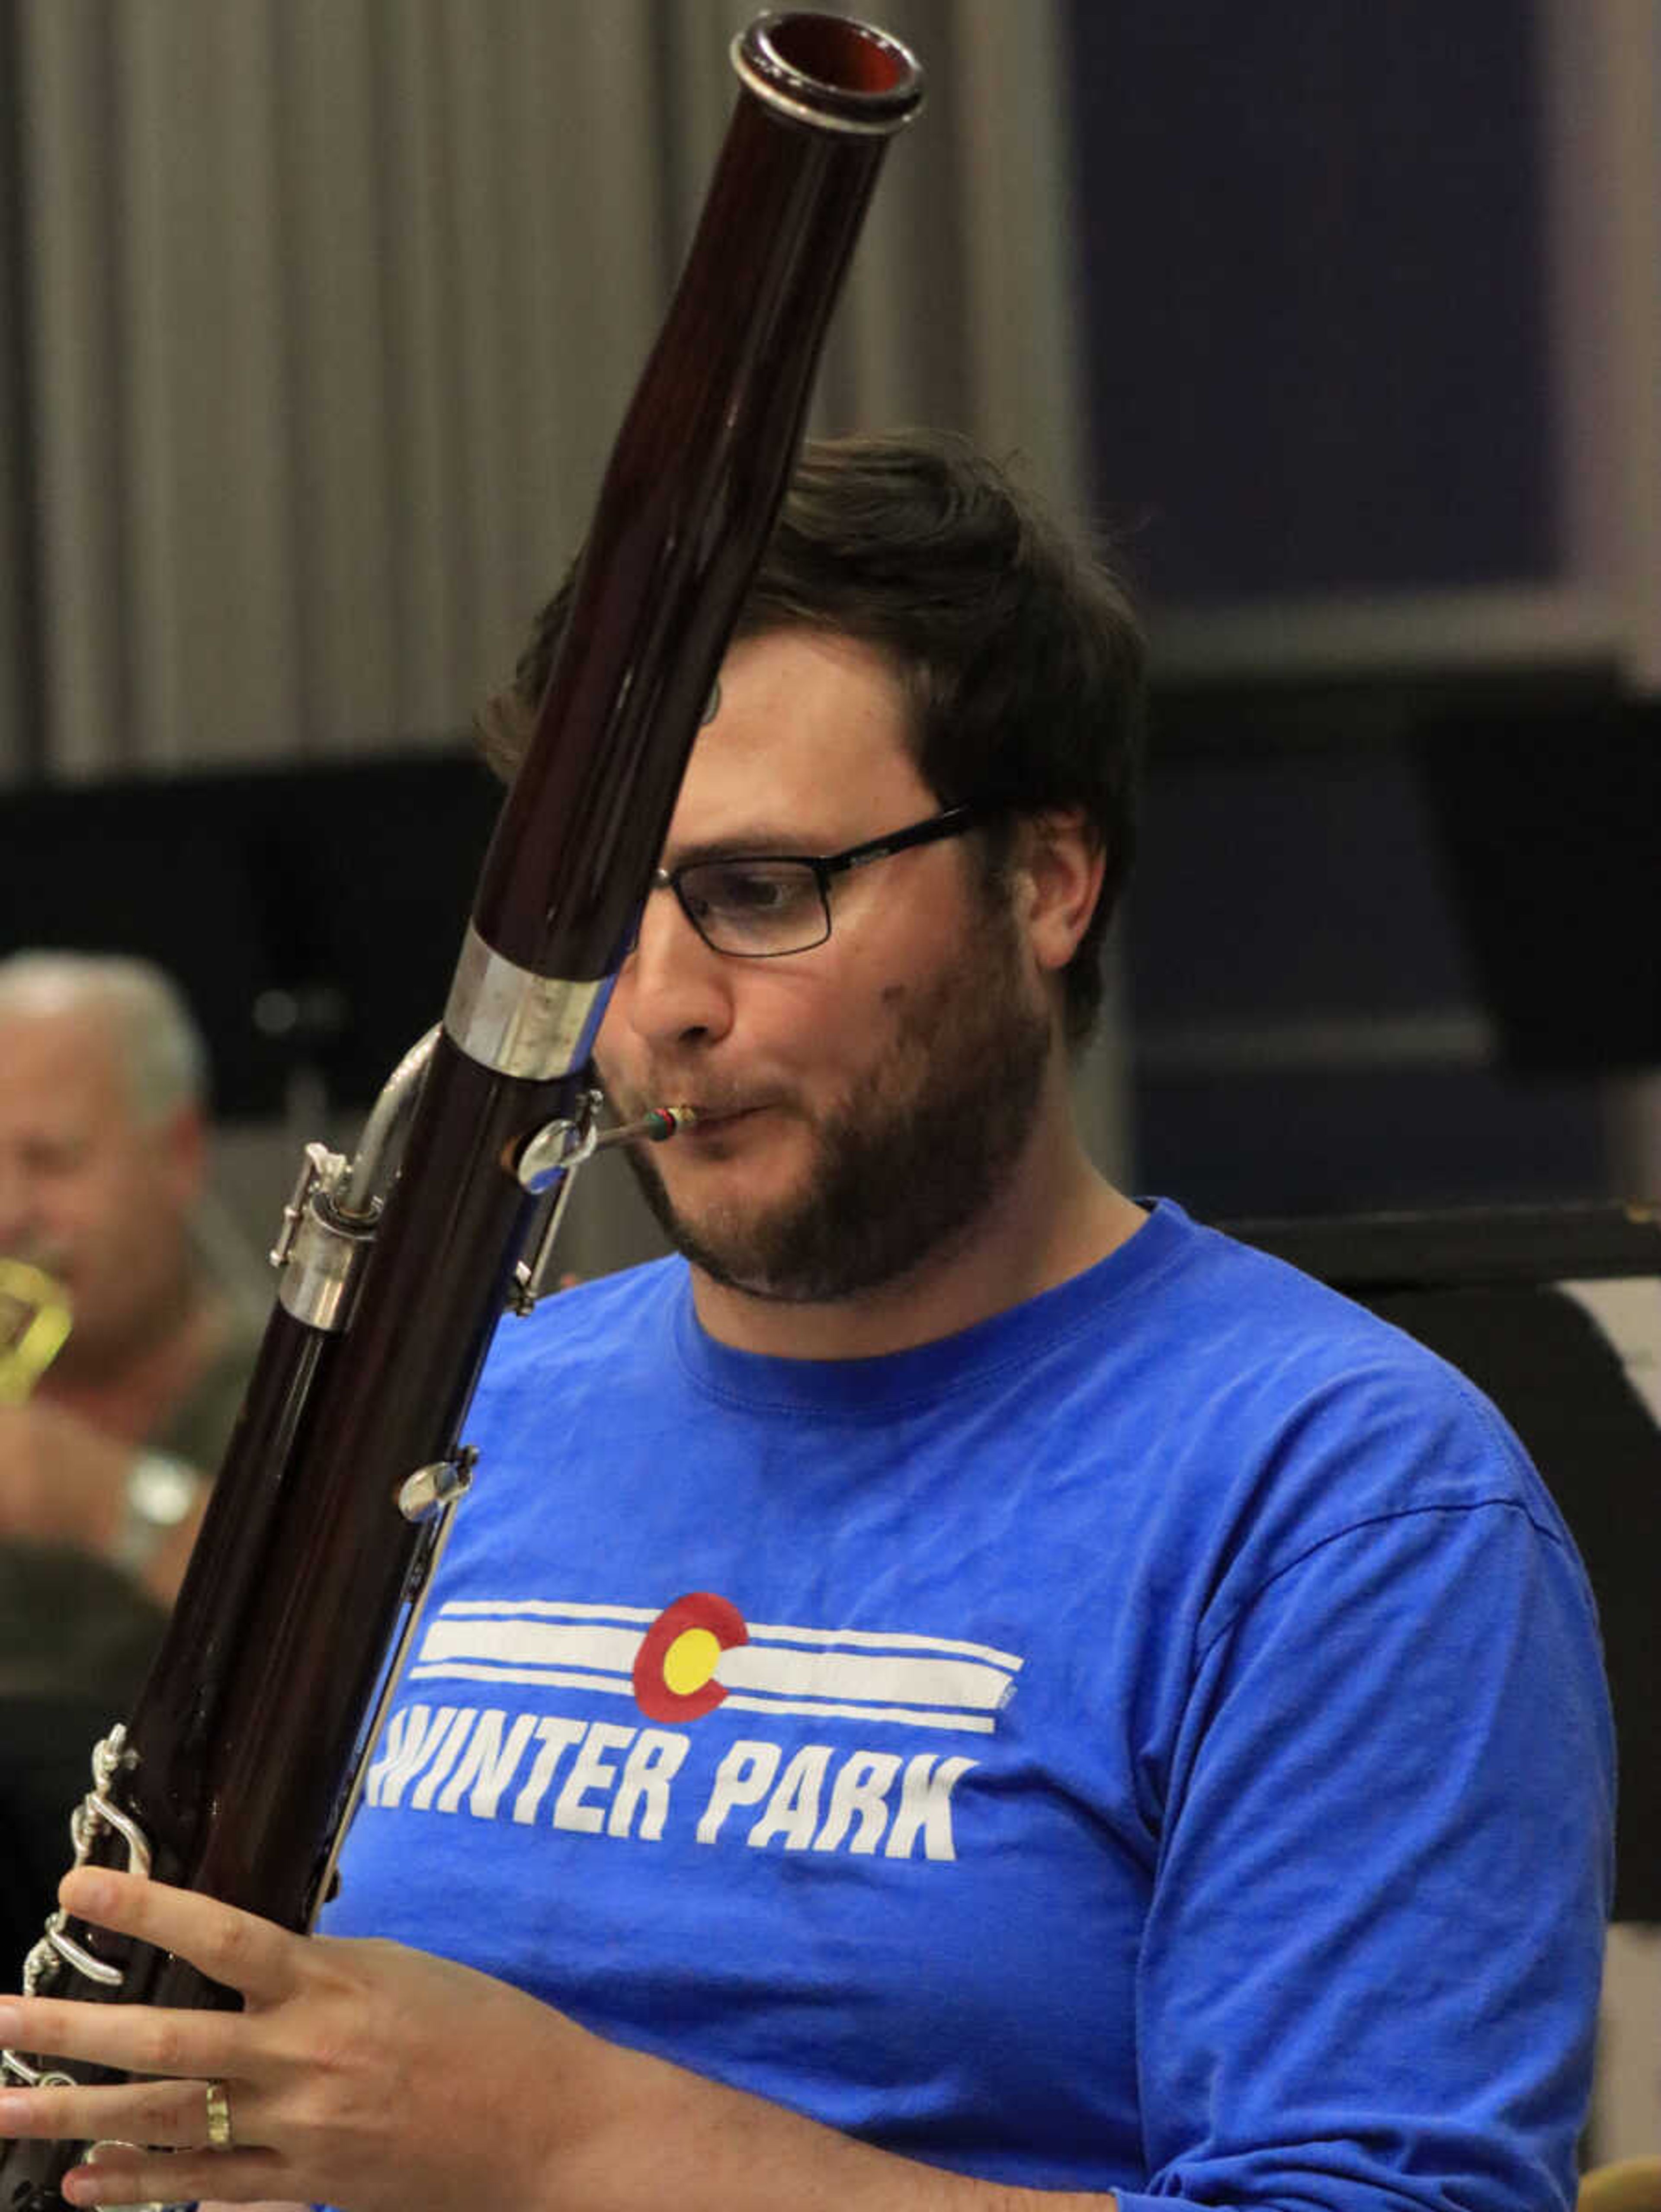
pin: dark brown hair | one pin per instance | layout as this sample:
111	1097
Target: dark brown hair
1018	646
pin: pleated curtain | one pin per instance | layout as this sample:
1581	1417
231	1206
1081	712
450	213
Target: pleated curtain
324	313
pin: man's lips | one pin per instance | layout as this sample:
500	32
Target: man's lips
712	1120
709	1106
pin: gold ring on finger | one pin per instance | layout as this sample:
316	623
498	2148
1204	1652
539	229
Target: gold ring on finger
219	2117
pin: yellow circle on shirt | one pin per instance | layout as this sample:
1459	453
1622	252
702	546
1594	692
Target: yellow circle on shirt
690	1660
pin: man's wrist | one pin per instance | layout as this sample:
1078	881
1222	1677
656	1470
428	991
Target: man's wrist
161	1492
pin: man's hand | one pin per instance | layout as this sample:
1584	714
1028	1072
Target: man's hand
62	1481
358	2073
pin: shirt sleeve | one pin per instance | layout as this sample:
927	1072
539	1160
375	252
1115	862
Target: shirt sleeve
1369	1975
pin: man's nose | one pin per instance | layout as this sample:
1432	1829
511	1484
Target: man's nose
674	988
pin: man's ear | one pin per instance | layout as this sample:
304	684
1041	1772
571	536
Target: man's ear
1058	865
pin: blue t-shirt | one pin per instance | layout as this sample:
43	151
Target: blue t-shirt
1153	1740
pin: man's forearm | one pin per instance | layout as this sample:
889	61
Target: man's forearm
673	2135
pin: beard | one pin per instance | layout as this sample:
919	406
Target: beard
904	1166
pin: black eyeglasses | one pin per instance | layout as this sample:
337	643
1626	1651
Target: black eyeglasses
759	906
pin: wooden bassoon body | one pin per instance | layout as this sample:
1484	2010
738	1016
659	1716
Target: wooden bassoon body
233	1773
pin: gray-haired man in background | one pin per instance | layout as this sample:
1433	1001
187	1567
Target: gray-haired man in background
103	1143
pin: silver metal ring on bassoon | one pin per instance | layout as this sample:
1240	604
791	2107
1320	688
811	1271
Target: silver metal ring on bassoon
518	1023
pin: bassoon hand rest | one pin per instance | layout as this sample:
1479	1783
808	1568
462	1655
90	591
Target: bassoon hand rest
232	1774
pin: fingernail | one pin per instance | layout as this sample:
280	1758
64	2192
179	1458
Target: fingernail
11	2023
14	2109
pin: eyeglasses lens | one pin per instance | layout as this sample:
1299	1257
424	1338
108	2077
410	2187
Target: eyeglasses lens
754	909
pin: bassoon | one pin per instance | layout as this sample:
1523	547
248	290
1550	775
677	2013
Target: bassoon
233	1773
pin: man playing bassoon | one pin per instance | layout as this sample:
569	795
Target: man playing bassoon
961	1688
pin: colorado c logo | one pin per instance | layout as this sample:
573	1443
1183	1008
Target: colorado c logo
669	1662
675	1667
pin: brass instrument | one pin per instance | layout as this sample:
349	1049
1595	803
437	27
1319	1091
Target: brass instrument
34	1320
